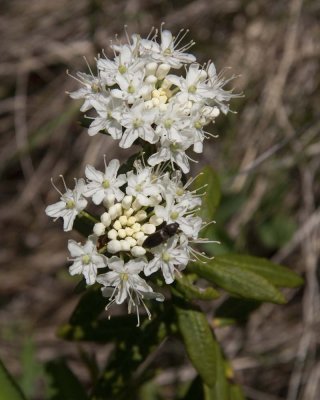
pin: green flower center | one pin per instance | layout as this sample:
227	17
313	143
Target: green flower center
174	215
122	69
137	123
168	123
131	89
166	257
198	125
167	52
192	89
106	184
70	204
86	259
179	192
138	188
124	276
95	88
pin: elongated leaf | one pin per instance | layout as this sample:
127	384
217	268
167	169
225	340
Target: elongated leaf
221	387
200	343
62	382
238	281
236	393
191	292
236	309
274	273
9	390
211	199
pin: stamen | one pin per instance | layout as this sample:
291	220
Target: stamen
64	182
56	188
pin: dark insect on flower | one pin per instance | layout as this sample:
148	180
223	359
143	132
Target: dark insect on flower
102	241
161	235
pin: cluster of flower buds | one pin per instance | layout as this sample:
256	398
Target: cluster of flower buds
147	219
136	96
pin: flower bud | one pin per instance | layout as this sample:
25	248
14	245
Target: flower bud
106	219
125	245
148	229
162	71
151	68
112	234
109	199
138	251
155	220
126	202
122	233
136	227
114	246
128	212
117	225
140	215
99	229
151	79
132	242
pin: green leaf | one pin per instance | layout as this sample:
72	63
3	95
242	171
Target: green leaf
62	382
238	281
31	368
185	286
220	389
199	340
9	390
211	199
235	392
274	273
235	309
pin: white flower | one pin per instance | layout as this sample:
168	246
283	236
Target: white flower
131	87
124	63
169	258
123	282
70	205
86	259
217	94
91	89
137	121
168	51
171	123
173	186
179	213
173	152
103	184
105	107
143	185
192	87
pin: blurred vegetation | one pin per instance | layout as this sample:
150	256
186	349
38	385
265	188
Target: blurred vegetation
267	157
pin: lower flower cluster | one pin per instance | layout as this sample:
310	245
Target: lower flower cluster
145	223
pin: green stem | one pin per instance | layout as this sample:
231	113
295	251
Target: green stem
88	216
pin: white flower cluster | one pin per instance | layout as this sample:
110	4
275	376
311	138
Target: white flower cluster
147	218
136	95
147	224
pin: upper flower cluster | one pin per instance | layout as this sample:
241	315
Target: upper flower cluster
146	222
137	95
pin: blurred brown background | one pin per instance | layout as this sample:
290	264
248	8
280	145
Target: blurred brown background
267	155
